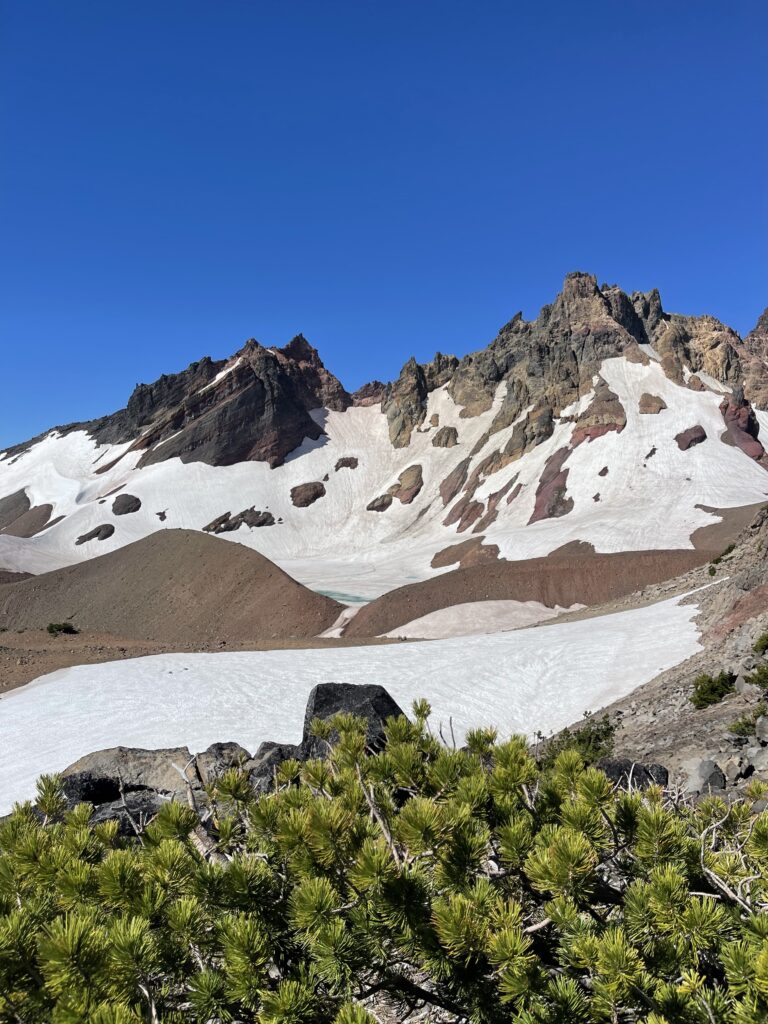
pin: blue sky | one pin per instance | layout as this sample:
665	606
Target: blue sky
389	178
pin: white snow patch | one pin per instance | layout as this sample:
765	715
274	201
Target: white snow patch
537	678
220	376
474	618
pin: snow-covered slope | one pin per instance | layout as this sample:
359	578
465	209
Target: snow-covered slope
336	544
605	421
523	681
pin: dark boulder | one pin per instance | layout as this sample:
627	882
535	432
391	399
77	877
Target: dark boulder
626	773
367	700
124	504
692	436
380	504
97	533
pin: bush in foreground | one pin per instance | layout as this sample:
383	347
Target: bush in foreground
468	883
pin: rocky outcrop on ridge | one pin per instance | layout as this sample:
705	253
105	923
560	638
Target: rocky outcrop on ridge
405	400
254	406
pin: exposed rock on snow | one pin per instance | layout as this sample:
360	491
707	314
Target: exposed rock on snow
304	495
650	405
227	523
467	552
408	485
102	532
18	518
603	414
125	504
551	501
446	437
380	504
692	436
743	428
348	462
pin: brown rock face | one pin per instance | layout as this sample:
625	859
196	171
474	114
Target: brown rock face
347	462
380	504
537	426
467	552
369	394
408	485
604	414
446	437
551	502
743	428
453	483
125	504
651	404
254	406
692	436
405	401
307	494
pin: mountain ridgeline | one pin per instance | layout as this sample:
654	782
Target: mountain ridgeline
258	404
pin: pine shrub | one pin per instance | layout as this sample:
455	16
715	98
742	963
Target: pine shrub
711	689
459	885
56	628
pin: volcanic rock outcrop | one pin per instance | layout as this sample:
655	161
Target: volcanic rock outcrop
251	517
743	428
307	494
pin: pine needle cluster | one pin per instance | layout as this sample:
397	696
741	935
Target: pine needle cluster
460	885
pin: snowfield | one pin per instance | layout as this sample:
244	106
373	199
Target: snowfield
651	496
535	678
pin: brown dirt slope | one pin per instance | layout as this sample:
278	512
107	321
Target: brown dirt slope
560	579
176	586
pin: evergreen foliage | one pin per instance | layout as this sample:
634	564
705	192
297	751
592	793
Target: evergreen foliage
711	689
473	884
56	628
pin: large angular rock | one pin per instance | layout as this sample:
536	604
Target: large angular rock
446	437
692	436
366	700
743	428
408	485
704	776
628	774
307	494
651	405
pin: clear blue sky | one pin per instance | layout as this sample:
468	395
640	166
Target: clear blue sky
390	178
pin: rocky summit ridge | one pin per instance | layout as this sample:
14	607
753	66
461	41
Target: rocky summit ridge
259	403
